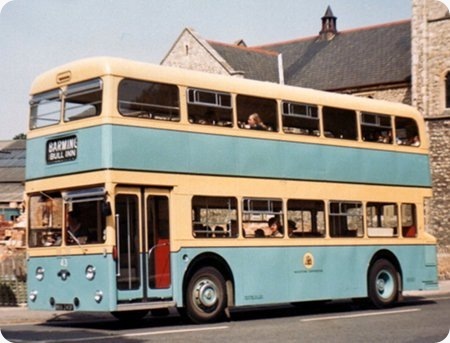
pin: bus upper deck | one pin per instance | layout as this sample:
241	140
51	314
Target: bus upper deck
191	122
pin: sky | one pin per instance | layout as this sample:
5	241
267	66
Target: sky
38	35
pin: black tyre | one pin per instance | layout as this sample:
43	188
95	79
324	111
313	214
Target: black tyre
383	284
206	297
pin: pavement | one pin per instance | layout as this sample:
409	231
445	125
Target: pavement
21	315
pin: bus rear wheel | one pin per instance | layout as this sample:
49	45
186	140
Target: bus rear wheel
383	284
206	297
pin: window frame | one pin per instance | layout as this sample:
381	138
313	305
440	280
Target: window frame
209	113
82	88
148	114
214	228
317	230
342	230
289	114
332	120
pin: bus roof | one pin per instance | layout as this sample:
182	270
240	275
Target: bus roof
89	68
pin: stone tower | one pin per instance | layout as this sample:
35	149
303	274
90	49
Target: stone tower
431	94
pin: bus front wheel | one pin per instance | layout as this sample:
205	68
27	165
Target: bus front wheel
383	284
206	297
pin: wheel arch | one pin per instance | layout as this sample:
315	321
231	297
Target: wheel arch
210	259
389	256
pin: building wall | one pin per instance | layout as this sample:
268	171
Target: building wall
431	62
400	94
189	53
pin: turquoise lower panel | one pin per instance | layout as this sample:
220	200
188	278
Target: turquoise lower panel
262	275
278	274
75	285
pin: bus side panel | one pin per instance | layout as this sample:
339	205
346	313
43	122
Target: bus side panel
269	275
92	153
419	267
65	280
184	152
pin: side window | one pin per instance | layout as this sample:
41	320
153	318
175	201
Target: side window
45	109
262	218
209	108
346	219
339	123
381	219
83	100
46	220
214	217
149	100
300	119
257	113
376	128
406	132
409	220
306	218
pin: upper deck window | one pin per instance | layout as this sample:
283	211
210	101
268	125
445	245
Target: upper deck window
257	113
339	123
45	109
301	119
406	131
82	100
149	100
376	128
209	108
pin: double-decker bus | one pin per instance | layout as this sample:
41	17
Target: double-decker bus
150	188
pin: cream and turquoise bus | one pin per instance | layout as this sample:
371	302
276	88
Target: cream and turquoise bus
149	188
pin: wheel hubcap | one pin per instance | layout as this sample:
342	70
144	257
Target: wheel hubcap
205	294
385	284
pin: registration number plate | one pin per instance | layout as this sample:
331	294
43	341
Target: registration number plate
64	307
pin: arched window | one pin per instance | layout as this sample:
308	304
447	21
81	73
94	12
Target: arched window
447	90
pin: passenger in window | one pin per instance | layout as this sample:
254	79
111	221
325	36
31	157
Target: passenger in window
255	123
76	232
292	226
274	226
259	233
415	141
208	118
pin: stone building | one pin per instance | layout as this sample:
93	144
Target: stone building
406	61
431	95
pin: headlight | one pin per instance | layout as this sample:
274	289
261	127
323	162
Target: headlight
90	273
98	296
33	295
40	273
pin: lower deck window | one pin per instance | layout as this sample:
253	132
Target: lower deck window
381	219
306	218
409	220
214	217
71	218
45	220
346	219
262	218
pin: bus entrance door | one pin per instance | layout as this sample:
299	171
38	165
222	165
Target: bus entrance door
142	244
